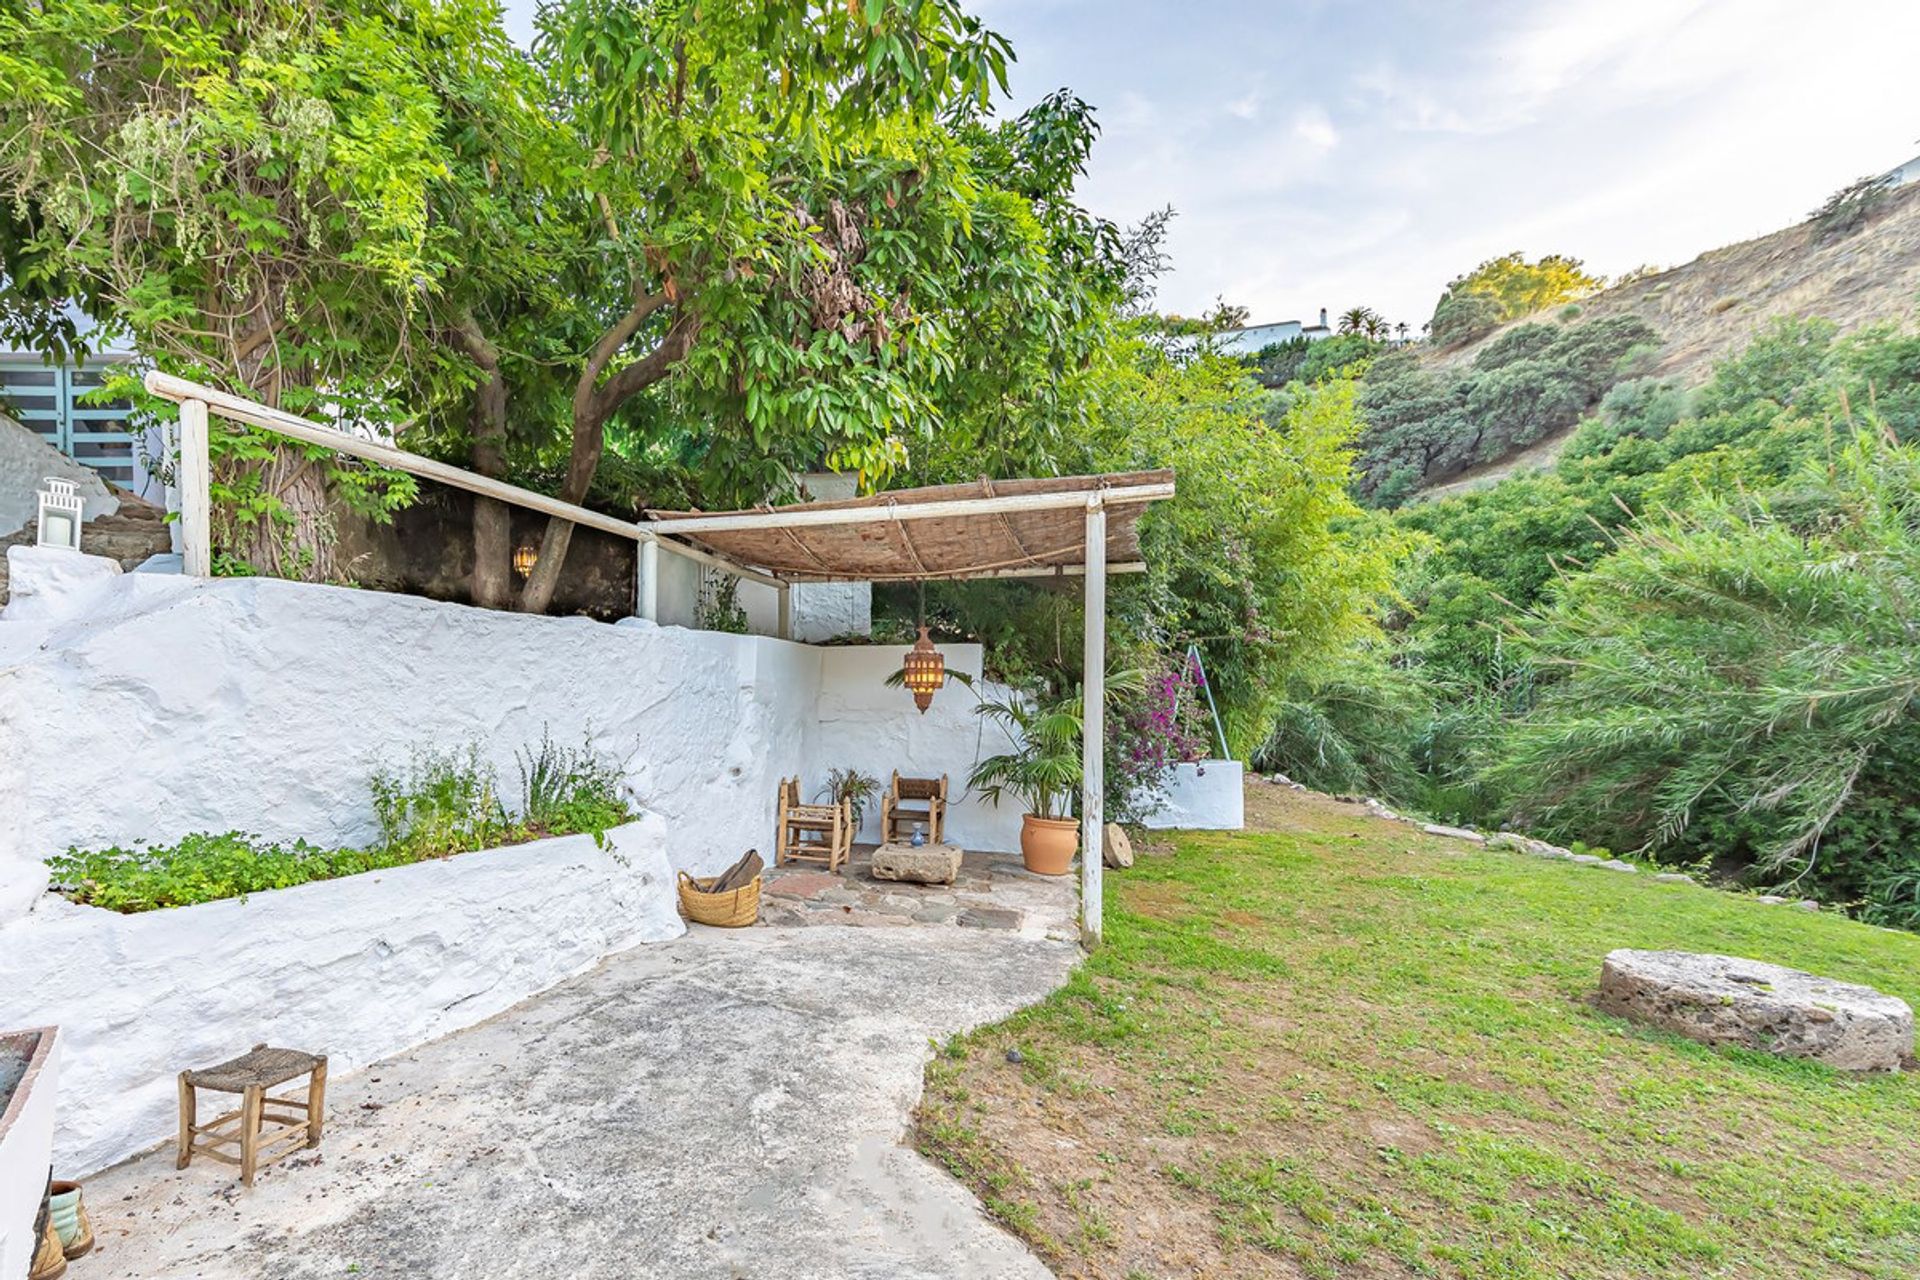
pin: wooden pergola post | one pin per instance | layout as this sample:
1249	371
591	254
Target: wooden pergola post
647	591
1093	732
196	491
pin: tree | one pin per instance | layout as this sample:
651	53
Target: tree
1364	321
1748	662
1506	288
244	193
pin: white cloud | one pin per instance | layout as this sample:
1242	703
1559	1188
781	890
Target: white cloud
1313	127
1247	106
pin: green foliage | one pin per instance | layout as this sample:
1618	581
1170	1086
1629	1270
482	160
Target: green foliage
1846	209
1506	288
1042	767
1425	423
1750	661
1351	727
569	791
204	867
849	784
439	802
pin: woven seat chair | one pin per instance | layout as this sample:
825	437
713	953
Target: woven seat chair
811	832
296	1121
914	802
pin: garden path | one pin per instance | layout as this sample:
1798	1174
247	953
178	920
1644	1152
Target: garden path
727	1105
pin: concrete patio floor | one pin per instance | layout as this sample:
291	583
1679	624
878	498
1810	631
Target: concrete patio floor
727	1105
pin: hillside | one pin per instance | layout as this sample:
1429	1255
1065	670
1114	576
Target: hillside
1711	307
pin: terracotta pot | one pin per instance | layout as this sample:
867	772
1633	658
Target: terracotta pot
1047	844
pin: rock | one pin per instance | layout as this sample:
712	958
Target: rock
1808	904
1453	833
1614	864
1119	852
928	864
1770	899
1584	859
1726	1000
1281	780
1672	877
989	918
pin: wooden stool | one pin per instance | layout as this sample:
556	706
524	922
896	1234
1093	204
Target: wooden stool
250	1075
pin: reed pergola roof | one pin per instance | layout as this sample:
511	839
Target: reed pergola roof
985	528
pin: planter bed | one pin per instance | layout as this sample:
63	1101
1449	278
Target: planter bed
360	967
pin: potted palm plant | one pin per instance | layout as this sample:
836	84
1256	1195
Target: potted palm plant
1042	771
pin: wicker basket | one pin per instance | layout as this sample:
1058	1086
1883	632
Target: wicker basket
733	909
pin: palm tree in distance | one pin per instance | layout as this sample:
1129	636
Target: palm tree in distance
1359	320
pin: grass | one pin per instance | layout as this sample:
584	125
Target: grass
1336	1047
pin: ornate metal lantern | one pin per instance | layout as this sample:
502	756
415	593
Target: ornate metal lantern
60	514
924	671
524	558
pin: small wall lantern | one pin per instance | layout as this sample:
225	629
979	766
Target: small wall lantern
60	514
923	670
524	558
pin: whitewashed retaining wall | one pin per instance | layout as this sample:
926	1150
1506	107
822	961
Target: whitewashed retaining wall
1207	796
358	968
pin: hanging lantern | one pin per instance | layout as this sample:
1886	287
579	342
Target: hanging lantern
924	670
524	558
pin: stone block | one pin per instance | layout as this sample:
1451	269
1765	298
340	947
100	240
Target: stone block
1726	1000
928	864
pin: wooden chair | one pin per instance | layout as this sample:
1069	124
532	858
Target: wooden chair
811	832
296	1121
914	802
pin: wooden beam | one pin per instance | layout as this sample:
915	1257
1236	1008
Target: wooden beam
946	508
238	409
1093	727
1028	571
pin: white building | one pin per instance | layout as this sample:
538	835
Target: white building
1901	175
1248	339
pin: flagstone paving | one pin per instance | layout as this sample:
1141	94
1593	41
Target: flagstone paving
993	891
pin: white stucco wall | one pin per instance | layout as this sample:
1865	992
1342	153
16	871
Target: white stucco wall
144	706
1206	796
26	1139
864	724
25	461
358	968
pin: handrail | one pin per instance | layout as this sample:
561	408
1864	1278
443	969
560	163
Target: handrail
239	409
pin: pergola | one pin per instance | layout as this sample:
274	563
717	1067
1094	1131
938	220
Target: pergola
1084	526
1063	526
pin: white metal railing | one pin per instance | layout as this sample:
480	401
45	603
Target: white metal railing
197	402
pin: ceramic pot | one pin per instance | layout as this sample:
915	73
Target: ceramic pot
1047	844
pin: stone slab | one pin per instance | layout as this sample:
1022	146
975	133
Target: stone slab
928	864
1727	1000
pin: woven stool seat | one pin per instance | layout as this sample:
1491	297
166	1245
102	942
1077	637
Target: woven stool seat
267	1127
263	1066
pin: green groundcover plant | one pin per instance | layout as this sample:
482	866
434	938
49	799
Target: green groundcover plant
438	804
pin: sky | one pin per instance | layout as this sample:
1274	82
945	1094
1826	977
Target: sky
1328	153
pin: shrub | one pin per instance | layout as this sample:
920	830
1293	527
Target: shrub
438	804
203	867
441	802
569	791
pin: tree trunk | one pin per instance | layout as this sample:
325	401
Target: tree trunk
301	541
593	404
492	583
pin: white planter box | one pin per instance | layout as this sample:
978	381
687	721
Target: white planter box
358	968
26	1143
1205	796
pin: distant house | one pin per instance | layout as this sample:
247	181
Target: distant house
1248	339
1901	175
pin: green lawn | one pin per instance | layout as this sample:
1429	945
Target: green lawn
1339	1048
